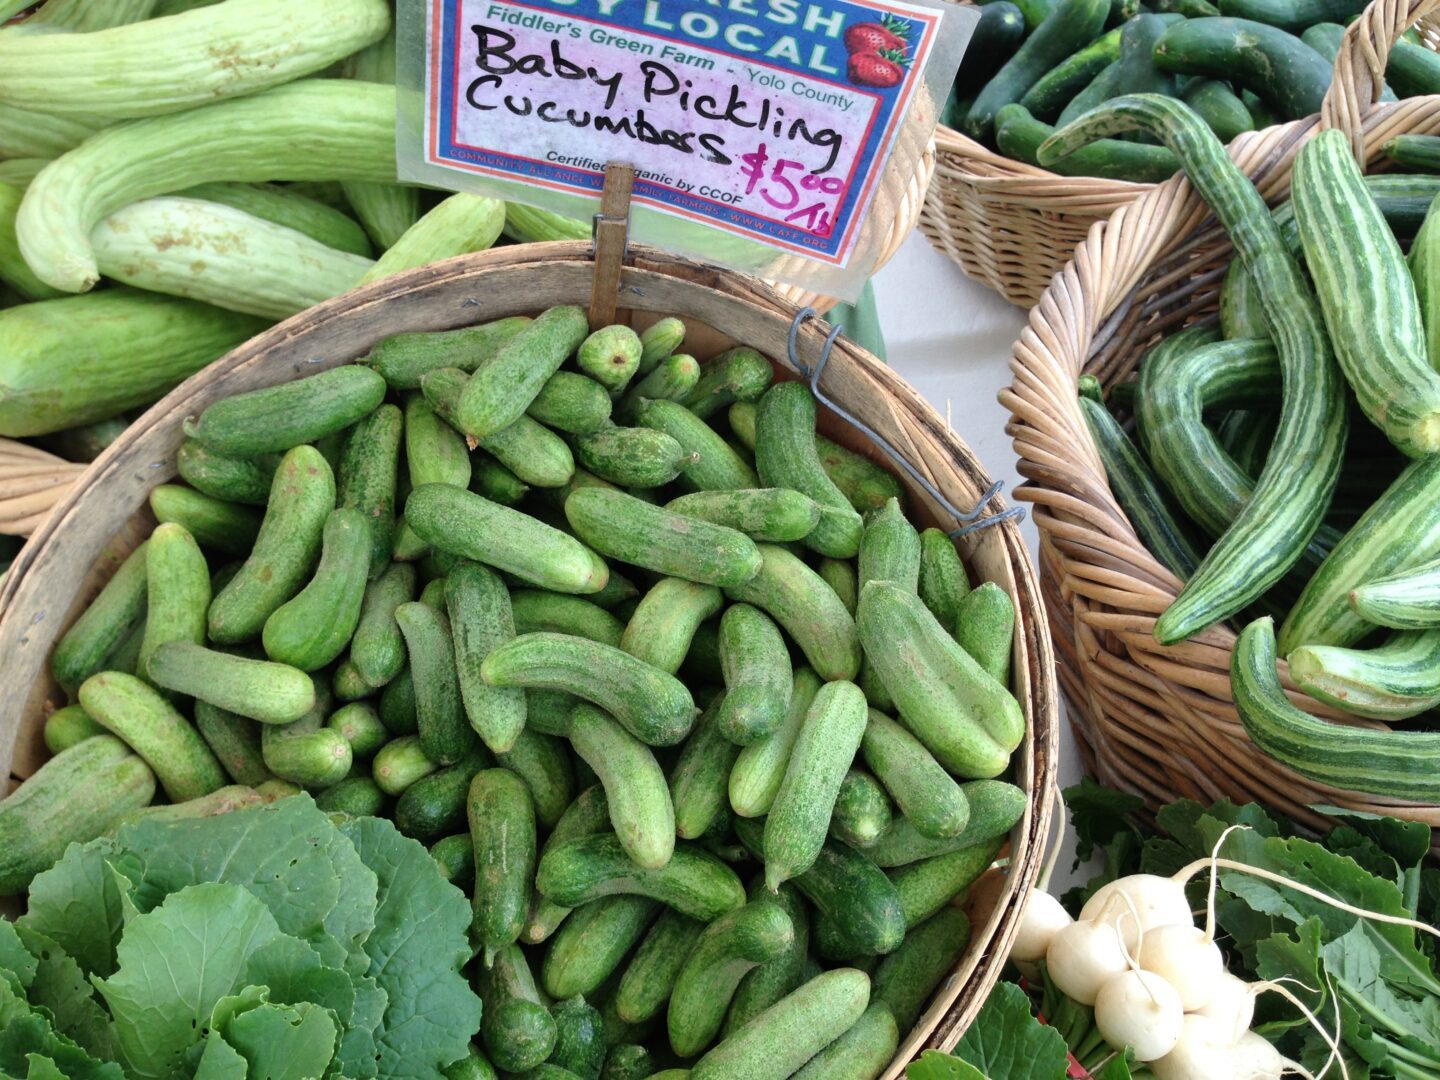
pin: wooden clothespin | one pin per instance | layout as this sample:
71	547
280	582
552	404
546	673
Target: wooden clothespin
610	239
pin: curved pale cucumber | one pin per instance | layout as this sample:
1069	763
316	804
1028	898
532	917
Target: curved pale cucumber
861	1053
665	621
778	515
907	977
378	648
503	389
694	882
313	627
758	678
635	787
760	767
177	591
786	457
1393	681
480	619
1407	600
995	807
807	608
924	791
70	725
718	467
595	939
259	689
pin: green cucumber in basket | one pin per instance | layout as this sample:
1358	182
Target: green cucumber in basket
402	359
699	777
1292	492
1414	70
907	977
693	882
672	380
777	515
928	885
1062	82
760	767
92	640
738	374
758	677
366	478
1133	72
537	609
234	479
1280	68
639	457
1220	107
1393	681
544	763
444	729
719	467
996	36
1409	599
377	648
272	693
1400	764
1293	15
587	814
225	527
1020	136
481	619
861	1053
862	810
807	609
925	793
313	627
68	726
515	1026
1068	27
278	418
571	402
501	391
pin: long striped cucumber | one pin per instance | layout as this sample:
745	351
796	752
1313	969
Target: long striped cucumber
1292	491
639	798
1406	600
1401	530
1400	764
1424	261
1393	681
759	769
1369	302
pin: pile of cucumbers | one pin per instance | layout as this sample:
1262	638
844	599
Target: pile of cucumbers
1288	458
1034	65
712	734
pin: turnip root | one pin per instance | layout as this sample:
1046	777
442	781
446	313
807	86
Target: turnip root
1153	901
1139	1009
1232	1006
1042	919
1083	957
1203	1052
1186	958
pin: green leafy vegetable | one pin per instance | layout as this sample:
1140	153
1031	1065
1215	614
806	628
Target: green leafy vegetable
1005	1042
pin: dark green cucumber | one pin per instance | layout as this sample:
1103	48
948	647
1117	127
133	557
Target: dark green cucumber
907	977
445	732
502	832
650	976
503	388
281	417
435	805
217	525
235	742
401	360
862	810
536	609
1292	492
694	882
1277	66
1324	38
589	813
480	619
1020	136
358	796
1397	764
1414	70
543	762
517	1029
1133	72
994	40
234	479
455	856
1067	78
102	628
782	973
1293	15
1220	108
665	621
580	1038
593	942
627	1061
1420	152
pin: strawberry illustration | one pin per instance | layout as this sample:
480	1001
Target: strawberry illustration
889	34
881	70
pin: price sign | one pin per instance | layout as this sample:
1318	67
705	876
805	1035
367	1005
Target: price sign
771	121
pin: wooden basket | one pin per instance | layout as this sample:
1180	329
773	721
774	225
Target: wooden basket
1154	720
1012	226
104	516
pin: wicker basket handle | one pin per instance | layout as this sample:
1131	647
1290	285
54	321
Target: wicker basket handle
1360	65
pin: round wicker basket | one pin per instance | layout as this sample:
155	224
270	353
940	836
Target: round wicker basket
104	515
1154	720
1012	226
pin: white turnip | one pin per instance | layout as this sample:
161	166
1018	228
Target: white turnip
1042	919
1139	1009
1083	957
1185	957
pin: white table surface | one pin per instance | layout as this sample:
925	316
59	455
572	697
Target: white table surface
951	338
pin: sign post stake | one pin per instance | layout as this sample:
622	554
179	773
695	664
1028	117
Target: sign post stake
610	238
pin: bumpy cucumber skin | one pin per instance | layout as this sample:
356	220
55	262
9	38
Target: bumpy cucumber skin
635	787
649	978
171	747
435	805
402	360
242	480
995	807
102	627
719	467
694	882
907	977
518	1031
399	763
728	949
360	725
861	1053
786	456
783	972
358	796
480	619
445	732
760	767
378	648
435	453
313	627
633	456
260	689
544	764
792	1031
799	819
778	515
653	706
285	552
217	525
862	810
580	1040
985	628
924	791
473	1066
68	726
928	885
572	403
593	942
672	380
366	478
665	621
536	610
502	830
698	780
738	374
235	742
588	814
890	548
177	590
659	340
279	418
610	356
503	389
639	533
840	575
758	678
801	602
964	717
464	524
73	798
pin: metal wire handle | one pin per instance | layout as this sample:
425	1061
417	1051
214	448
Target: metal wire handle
812	375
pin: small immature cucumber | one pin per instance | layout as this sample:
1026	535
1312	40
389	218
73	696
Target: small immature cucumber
502	830
861	1053
399	763
282	417
890	548
718	467
543	762
480	619
495	482
694	882
698	780
926	794
177	590
580	1038
652	705
665	621
455	856
757	671
728	949
659	340
358	796
102	628
260	689
985	628
464	524
235	742
799	819
633	456
778	515
650	977
518	1031
68	726
908	976
642	534
862	810
127	707
531	451
640	809
226	527
366	478
536	609
593	942
840	575
760	767
783	972
572	403
928	885
995	807
738	374
377	648
401	360
588	814
786	456
807	608
285	552
434	451
473	1066
313	627
435	805
610	356
74	797
672	380
792	1031
234	479
504	387
967	719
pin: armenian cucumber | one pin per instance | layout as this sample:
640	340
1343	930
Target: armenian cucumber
641	812
1393	681
664	622
1020	136
786	456
694	882
1407	600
